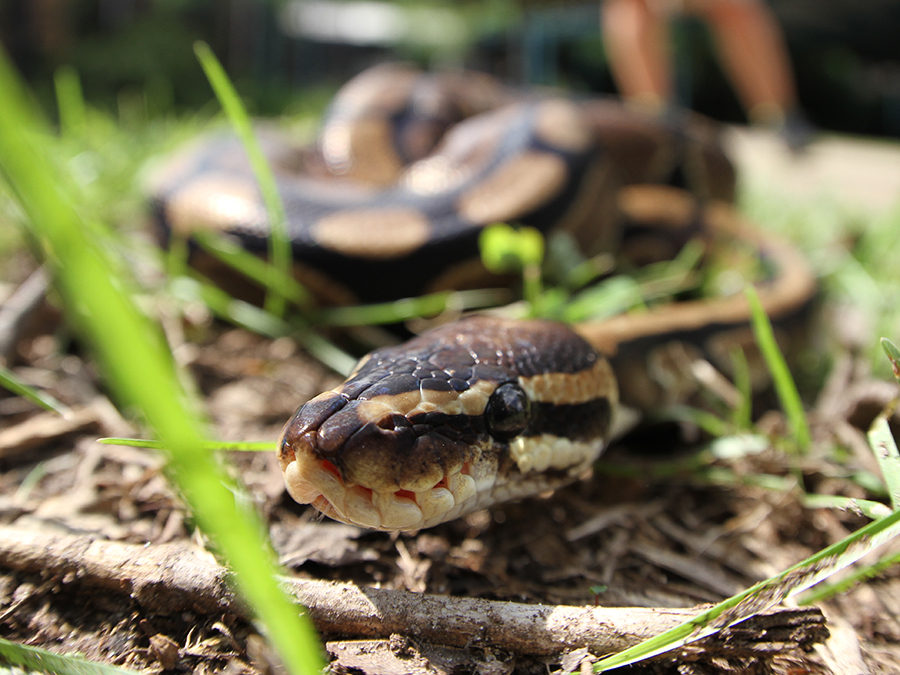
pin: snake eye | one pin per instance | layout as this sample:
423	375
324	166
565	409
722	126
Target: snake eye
508	412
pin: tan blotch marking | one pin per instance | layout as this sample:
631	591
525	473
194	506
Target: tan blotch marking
516	188
560	124
216	202
657	204
573	388
361	150
375	234
471	402
433	175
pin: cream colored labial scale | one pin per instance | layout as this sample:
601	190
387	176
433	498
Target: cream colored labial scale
539	453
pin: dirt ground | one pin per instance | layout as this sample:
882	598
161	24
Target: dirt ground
629	536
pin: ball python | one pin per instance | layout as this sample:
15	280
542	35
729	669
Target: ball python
408	169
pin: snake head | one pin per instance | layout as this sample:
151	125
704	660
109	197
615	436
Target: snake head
475	412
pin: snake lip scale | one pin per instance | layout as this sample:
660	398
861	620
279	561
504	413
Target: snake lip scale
389	203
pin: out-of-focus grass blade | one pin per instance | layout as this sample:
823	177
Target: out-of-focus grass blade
781	374
33	659
606	298
870	509
411	308
262	272
710	423
241	446
70	100
13	383
742	415
279	244
224	306
139	369
260	321
765	594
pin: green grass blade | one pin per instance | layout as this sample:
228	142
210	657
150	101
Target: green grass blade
710	423
240	313
870	509
607	298
328	353
825	591
765	594
885	448
893	354
140	371
70	101
404	309
258	320
41	661
279	243
781	374
211	445
262	272
742	416
9	380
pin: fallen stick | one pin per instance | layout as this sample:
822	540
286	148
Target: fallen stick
171	578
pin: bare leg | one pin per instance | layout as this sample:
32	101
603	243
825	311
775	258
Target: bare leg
751	46
636	40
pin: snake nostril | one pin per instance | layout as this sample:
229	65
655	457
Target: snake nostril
392	422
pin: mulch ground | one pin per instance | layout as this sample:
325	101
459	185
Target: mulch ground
619	538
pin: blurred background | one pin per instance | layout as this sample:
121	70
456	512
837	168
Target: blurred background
845	53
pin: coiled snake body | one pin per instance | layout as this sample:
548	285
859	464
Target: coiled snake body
407	171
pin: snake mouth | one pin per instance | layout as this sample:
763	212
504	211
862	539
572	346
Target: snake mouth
316	481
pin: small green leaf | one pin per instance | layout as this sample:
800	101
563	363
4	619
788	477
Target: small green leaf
506	249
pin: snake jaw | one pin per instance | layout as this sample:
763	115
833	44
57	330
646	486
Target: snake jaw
311	480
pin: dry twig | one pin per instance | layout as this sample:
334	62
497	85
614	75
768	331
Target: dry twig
172	578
